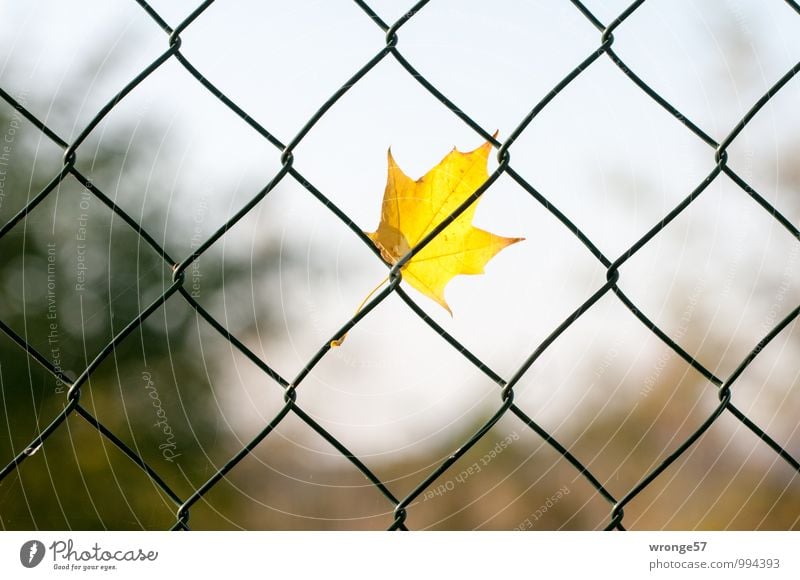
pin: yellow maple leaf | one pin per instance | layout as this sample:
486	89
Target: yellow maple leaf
411	209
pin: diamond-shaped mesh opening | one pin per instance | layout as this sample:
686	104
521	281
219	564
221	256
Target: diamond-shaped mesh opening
76	466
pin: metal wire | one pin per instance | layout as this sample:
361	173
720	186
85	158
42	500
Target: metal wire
506	405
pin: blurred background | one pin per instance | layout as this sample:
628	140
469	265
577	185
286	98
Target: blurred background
286	277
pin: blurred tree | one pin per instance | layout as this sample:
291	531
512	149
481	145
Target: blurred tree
72	276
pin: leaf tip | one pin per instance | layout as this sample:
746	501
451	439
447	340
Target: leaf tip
443	304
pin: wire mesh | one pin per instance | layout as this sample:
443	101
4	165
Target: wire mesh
506	405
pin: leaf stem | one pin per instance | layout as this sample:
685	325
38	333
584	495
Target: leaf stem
340	340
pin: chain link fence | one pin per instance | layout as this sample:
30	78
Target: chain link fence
291	386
